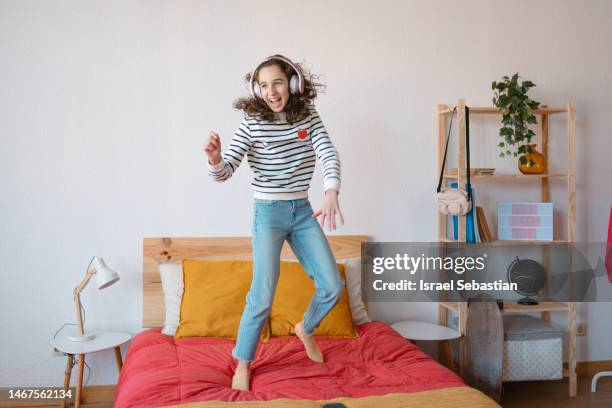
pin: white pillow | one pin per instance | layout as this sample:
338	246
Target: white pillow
352	270
172	283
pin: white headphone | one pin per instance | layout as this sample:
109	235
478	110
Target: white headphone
296	82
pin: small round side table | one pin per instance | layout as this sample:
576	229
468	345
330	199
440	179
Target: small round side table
103	340
425	331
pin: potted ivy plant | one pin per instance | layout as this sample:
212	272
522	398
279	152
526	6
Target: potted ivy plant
510	97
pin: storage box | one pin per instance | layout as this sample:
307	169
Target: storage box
525	221
533	349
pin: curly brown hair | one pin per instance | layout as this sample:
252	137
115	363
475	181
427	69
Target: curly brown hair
298	106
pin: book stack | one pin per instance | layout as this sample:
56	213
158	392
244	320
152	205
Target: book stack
474	171
483	226
476	227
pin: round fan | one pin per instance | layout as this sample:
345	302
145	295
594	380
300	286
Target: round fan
529	277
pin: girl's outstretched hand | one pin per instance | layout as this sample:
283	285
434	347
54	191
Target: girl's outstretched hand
212	147
330	209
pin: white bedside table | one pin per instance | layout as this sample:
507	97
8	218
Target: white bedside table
417	330
102	341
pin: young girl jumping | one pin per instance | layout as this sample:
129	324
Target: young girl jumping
282	136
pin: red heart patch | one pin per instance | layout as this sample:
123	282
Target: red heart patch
302	133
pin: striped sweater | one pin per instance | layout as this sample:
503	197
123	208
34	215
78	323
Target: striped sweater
282	156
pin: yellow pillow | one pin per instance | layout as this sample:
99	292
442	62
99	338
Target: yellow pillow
214	297
293	294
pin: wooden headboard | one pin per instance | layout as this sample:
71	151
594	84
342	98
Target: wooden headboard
173	250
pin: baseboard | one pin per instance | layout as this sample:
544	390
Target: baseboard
590	368
93	394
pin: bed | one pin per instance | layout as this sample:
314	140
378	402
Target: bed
378	367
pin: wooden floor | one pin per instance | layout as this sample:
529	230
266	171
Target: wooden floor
553	394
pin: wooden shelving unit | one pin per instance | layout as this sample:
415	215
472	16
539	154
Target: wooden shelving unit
511	242
508	176
513	307
544	308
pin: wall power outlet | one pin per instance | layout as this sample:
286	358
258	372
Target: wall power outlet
581	329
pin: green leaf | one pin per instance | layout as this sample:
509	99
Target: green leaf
511	98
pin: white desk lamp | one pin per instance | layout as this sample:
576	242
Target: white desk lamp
104	278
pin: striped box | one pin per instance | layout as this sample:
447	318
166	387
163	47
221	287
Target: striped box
525	221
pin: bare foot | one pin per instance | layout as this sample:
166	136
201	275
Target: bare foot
312	349
241	378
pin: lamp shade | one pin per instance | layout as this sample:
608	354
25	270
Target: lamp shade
104	275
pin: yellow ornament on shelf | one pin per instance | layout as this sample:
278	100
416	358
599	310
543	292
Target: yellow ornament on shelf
535	164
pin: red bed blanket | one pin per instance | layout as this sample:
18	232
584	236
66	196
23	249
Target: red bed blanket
161	371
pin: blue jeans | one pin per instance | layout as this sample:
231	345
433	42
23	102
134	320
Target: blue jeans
274	222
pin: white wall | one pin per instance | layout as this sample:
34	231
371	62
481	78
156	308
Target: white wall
104	107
